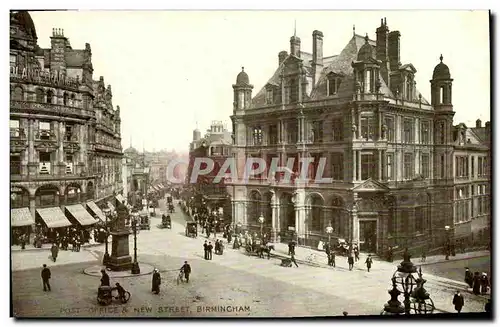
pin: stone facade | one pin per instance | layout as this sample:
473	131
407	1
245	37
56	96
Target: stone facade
65	143
389	152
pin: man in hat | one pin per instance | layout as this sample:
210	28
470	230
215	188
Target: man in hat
54	251
209	250
469	278
45	278
186	269
205	249
104	278
458	301
369	262
155	284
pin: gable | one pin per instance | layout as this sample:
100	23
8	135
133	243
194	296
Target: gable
371	186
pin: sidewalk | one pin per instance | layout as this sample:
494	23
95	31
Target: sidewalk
45	247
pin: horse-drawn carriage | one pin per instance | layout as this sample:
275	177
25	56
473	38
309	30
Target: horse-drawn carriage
166	222
105	295
192	229
259	248
341	247
145	222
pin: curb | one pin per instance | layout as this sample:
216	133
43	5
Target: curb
454	259
85	246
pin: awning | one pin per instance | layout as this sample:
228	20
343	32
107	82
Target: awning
81	214
96	210
21	217
120	198
111	206
53	217
156	187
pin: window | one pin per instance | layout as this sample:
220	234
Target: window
292	132
420	217
405	219
269	96
18	93
40	95
461	167
14	128
332	84
409	89
368	166
273	134
441	133
389	124
338	129
50	96
69	132
15	164
294	91
368	81
72	101
367	127
317	129
257	136
337	166
472	163
442	167
66	99
425	132
408	131
44	130
44	162
390	166
424	162
441	95
13	60
408	166
69	163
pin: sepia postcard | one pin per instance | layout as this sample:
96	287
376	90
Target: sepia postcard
273	164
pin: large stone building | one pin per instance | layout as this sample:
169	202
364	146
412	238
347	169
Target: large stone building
390	153
65	144
215	145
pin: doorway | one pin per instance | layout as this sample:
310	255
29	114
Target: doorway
368	235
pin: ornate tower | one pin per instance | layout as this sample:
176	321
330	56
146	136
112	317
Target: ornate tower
366	70
242	91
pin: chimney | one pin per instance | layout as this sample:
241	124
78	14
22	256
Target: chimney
394	50
478	123
382	49
282	56
487	125
317	58
295	46
58	47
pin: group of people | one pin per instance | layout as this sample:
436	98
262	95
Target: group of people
479	283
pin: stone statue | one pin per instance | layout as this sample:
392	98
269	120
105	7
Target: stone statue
311	135
384	129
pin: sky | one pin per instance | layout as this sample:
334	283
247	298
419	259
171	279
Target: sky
171	71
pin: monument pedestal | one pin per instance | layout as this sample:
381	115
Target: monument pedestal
120	258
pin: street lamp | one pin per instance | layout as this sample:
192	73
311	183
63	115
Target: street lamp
261	221
329	231
135	265
447	248
416	298
107	214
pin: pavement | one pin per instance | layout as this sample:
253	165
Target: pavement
313	288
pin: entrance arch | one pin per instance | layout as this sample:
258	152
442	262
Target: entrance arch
47	196
254	207
72	193
287	212
19	197
338	217
315	216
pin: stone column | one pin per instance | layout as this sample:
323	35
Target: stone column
358	167
380	169
355	221
275	223
32	204
354	165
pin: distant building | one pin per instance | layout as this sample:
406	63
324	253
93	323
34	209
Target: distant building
65	141
393	156
216	145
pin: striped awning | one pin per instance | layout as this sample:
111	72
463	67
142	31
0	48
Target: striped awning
53	217
81	214
21	217
96	210
156	187
111	206
120	198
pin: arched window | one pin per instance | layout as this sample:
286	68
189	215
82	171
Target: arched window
368	81
18	93
316	213
337	216
441	95
294	91
50	96
46	196
40	95
254	211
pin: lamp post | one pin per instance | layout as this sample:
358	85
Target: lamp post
135	265
105	259
261	221
329	231
447	247
416	298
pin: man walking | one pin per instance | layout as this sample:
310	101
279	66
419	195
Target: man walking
332	258
458	301
155	283
186	268
209	249
469	278
45	278
54	250
369	262
205	249
350	261
292	259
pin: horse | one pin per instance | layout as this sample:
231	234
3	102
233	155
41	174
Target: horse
265	249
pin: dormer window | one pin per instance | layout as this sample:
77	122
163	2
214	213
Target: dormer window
269	96
332	84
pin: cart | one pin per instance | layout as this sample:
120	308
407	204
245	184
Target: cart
192	229
166	222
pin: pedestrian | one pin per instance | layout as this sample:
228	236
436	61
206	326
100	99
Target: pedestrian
45	278
104	278
485	283
208	230
291	248
332	258
205	249
476	284
292	259
469	278
356	253
186	268
369	262
350	261
458	301
156	281
229	237
54	250
209	248
23	241
221	247
424	255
